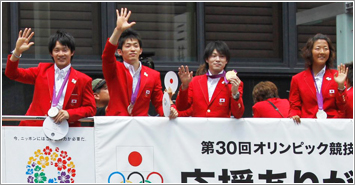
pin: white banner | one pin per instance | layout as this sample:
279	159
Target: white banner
29	157
216	150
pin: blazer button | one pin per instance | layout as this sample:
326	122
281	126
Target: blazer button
208	110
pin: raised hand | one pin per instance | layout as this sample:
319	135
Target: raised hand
185	76
122	20
23	41
235	81
341	76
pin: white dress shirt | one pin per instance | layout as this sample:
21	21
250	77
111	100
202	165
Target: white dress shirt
212	84
135	74
59	75
319	79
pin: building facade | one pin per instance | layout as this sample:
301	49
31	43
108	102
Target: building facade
263	38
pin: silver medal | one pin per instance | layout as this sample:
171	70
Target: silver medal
53	111
321	114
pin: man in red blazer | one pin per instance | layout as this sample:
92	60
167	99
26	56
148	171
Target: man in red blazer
76	100
131	85
211	95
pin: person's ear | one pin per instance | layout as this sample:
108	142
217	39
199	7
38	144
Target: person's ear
119	51
96	96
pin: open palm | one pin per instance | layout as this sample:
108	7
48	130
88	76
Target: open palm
122	20
342	74
23	42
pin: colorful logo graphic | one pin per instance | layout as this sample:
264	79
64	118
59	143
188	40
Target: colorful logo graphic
133	161
47	158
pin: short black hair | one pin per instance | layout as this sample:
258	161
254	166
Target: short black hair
221	48
63	38
129	34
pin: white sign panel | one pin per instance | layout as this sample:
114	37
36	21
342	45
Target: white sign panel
28	156
223	150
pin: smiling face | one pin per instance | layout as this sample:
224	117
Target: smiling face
216	62
61	55
130	51
320	52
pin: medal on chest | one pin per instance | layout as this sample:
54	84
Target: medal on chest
129	109
321	114
53	111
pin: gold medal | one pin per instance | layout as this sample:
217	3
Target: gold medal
230	74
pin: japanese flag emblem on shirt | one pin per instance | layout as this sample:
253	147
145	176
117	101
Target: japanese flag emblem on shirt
331	92
222	101
147	92
135	158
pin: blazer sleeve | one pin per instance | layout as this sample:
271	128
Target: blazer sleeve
109	67
186	113
294	98
237	106
27	76
255	112
341	101
88	106
184	99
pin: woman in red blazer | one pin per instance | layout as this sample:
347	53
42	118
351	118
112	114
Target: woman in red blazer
78	101
267	101
318	91
211	95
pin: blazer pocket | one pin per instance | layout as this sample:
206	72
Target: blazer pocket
147	93
222	102
74	101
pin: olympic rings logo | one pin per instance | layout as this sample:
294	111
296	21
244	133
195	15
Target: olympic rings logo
128	181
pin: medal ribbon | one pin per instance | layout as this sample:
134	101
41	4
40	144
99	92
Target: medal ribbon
218	76
135	93
319	94
55	99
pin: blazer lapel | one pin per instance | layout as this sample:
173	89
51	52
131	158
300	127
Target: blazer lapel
70	86
219	87
309	80
327	79
50	78
204	88
129	82
144	77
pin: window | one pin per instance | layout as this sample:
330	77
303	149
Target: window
251	30
327	27
79	19
5	29
167	29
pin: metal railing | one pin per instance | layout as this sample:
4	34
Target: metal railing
21	118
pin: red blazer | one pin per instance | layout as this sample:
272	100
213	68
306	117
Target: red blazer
263	109
349	111
222	103
119	82
78	100
303	98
